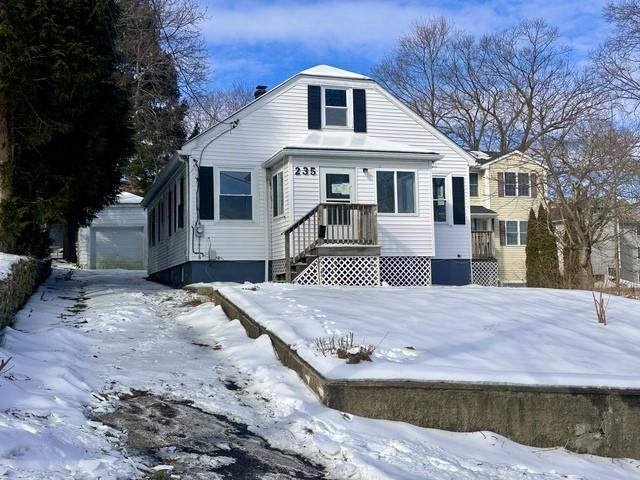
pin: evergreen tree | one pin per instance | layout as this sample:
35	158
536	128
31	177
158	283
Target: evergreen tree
543	268
570	261
548	264
532	251
68	129
149	75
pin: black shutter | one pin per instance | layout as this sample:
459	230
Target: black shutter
457	187
359	110
205	177
314	106
181	205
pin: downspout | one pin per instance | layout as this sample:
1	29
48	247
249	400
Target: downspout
267	226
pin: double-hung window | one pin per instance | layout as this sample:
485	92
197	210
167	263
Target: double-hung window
396	191
516	232
236	195
336	107
439	200
277	192
517	184
473	184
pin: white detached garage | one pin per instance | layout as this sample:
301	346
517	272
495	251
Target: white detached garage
117	237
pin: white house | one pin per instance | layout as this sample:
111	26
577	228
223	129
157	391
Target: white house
117	237
327	178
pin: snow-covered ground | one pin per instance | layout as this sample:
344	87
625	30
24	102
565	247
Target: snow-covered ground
80	341
6	262
478	334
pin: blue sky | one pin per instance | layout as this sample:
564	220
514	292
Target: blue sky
266	42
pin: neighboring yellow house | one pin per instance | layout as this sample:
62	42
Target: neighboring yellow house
502	189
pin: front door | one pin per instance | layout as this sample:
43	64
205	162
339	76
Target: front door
338	188
337	185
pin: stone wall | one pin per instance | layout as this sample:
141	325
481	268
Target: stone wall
25	276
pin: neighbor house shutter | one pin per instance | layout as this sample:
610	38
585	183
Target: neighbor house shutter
503	232
205	179
501	184
314	106
359	110
457	190
533	181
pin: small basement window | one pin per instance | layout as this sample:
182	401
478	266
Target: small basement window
236	195
336	107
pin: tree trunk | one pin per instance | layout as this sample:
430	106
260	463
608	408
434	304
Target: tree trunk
5	144
69	252
585	275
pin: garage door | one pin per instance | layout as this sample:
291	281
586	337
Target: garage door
118	247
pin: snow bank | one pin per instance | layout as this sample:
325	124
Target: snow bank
6	262
464	334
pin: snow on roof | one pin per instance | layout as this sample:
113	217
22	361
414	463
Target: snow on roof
329	71
353	141
128	198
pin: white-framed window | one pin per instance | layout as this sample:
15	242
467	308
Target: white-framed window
517	184
439	199
473	184
516	232
336	104
235	197
277	194
396	191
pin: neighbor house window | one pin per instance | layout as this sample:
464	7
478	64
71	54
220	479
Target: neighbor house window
473	184
517	184
439	200
277	194
335	107
235	198
396	191
516	233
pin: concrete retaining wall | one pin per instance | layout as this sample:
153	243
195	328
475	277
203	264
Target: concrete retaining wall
599	421
25	276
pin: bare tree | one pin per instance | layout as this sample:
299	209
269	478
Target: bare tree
618	59
163	61
415	70
217	105
501	92
593	175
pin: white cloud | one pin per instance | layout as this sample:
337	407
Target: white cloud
372	27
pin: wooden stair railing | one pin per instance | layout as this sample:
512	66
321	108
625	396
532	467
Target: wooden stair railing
326	224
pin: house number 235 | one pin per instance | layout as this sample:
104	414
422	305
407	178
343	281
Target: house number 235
305	170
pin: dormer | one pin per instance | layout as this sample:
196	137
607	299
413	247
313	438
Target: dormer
332	106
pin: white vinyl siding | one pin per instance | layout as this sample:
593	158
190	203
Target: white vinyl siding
281	120
172	250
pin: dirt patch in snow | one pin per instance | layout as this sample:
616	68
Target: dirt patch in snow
200	445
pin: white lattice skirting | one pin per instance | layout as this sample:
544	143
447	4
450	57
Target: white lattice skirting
485	272
405	271
278	267
352	271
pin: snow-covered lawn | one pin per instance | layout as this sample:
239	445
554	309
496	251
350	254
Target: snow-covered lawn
506	335
79	342
6	262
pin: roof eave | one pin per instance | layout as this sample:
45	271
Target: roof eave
351	153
